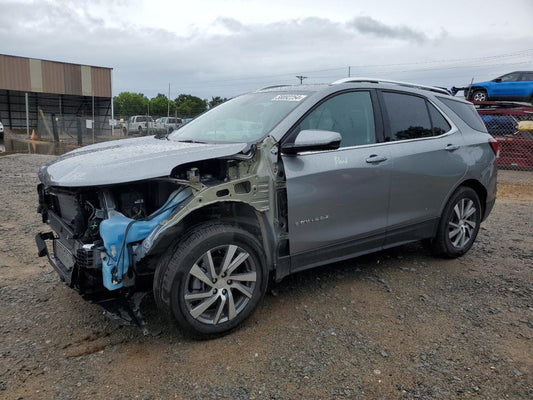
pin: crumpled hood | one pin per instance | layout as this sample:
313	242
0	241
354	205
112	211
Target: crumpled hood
128	160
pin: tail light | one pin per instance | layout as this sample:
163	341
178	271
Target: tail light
495	148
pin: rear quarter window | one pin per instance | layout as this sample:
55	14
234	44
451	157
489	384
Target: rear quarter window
466	112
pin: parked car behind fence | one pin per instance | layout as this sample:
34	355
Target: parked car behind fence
510	124
140	124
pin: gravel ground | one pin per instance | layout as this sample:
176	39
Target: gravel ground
398	324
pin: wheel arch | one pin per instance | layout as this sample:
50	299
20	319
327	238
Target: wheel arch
475	88
232	212
475	185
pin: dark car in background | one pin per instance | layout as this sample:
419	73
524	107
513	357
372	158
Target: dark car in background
514	86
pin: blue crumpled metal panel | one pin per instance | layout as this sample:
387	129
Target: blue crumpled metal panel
118	231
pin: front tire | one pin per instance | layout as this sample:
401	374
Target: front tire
459	224
213	281
479	95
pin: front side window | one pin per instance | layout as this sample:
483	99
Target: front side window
350	114
512	77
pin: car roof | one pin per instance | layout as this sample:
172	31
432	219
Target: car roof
357	82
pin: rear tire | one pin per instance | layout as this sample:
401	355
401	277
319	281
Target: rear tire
458	225
213	281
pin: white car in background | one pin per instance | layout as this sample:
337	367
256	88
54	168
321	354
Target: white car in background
140	124
1	130
166	125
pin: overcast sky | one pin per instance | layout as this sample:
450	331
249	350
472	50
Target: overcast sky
227	47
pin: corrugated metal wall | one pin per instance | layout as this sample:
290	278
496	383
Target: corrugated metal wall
15	73
41	76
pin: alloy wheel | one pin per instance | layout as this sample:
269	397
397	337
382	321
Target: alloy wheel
220	284
462	224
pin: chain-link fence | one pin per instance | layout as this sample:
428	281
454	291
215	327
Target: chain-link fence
513	129
81	130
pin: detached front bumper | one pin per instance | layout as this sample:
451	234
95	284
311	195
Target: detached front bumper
64	272
72	261
123	309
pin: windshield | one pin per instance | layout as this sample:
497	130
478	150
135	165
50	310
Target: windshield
246	118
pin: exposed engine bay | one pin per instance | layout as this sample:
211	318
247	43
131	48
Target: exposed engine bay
97	228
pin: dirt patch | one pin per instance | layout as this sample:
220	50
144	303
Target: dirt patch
398	324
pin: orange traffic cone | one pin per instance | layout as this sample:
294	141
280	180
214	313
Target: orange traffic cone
33	135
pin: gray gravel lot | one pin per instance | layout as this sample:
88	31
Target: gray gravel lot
398	324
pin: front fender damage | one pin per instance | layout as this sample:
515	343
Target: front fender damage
247	180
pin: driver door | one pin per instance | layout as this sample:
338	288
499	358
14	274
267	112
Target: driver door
338	200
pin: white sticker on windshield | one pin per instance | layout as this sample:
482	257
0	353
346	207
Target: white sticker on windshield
289	97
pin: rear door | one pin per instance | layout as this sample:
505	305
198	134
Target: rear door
337	199
427	160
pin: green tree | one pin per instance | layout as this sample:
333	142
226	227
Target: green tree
215	101
159	106
127	104
189	106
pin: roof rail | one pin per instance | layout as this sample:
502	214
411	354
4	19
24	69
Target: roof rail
273	87
406	84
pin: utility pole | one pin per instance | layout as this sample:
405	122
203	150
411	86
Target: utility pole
301	78
168	101
349	71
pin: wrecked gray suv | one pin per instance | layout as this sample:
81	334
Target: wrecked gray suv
267	184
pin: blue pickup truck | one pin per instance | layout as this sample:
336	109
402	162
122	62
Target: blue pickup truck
515	86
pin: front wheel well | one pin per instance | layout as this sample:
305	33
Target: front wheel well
474	89
235	213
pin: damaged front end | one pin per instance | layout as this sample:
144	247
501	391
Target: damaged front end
107	240
97	232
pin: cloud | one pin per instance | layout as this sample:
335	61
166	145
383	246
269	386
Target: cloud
229	56
368	25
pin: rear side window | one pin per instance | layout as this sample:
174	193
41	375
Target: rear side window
466	112
527	76
413	117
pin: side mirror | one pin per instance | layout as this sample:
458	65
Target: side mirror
497	80
313	140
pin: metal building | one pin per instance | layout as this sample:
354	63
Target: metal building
54	97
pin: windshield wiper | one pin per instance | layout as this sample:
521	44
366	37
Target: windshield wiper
190	141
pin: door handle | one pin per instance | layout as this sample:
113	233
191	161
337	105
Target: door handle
374	159
451	147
